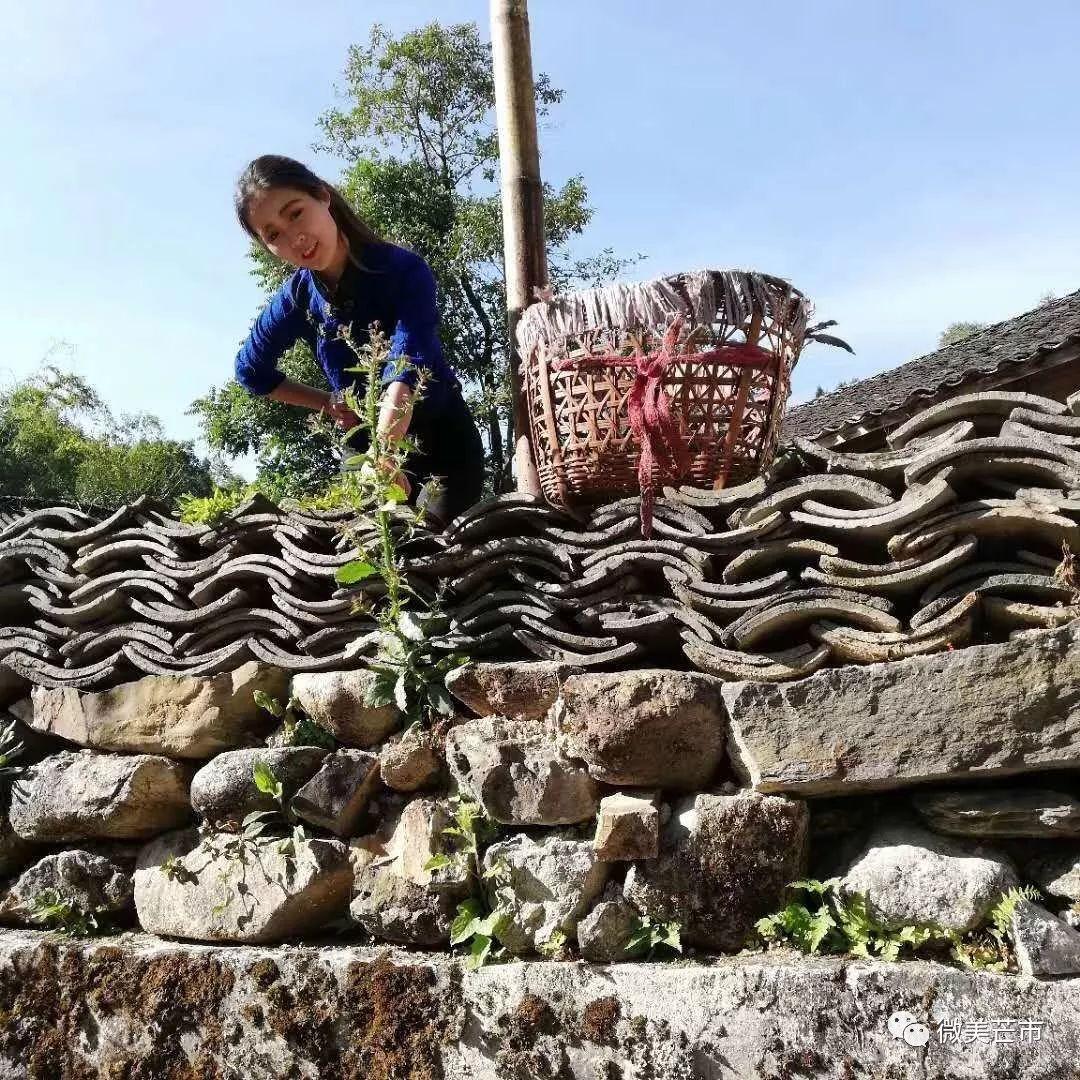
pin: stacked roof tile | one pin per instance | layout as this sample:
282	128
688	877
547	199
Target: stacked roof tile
951	536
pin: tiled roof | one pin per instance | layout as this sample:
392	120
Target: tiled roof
778	563
1021	342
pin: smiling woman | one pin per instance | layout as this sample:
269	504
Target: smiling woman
347	278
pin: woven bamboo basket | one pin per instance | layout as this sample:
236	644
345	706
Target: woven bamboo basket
733	338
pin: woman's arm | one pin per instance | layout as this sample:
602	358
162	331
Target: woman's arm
297	393
395	415
279	326
395	412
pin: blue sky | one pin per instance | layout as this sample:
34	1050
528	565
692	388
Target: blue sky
904	164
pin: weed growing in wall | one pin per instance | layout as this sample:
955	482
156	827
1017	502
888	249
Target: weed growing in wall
827	920
410	673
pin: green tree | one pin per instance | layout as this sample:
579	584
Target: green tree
417	131
60	443
957	331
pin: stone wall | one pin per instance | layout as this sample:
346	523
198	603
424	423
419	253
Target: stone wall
870	673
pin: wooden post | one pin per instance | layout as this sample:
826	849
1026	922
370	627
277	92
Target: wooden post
522	199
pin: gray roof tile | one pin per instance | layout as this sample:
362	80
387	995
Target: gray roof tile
1021	342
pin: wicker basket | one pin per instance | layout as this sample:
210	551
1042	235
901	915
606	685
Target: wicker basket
724	377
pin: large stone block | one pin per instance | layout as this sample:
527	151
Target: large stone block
337	795
725	861
542	887
93	885
183	716
912	877
645	728
412	762
627	827
1045	945
396	897
1000	812
1055	868
518	691
986	710
173	1009
87	795
515	771
209	890
336	701
224	789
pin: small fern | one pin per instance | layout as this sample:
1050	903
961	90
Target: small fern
827	920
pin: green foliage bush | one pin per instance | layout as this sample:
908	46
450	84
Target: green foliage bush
59	443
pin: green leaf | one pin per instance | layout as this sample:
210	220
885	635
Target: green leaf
265	780
380	694
640	941
270	704
821	922
819	888
440	699
255	824
671	936
438	862
351	573
479	951
493	925
401	692
469	913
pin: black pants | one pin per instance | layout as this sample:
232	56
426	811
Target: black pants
448	448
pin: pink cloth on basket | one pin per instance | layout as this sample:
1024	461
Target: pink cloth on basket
656	430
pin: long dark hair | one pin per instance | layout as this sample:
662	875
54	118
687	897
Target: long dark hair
276	171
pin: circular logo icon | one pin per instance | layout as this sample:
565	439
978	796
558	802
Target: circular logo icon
898	1021
916	1034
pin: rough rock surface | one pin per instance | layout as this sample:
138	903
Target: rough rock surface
396	898
645	728
15	852
92	884
337	795
542	886
224	789
515	771
87	795
170	1008
725	861
184	716
412	762
627	827
989	709
1000	813
605	932
1044	944
208	893
518	691
911	876
335	701
1054	870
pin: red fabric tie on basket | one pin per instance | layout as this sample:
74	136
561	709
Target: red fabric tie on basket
657	432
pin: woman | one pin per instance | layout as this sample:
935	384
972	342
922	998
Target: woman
347	277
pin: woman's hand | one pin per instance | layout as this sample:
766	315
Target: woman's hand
395	476
341	414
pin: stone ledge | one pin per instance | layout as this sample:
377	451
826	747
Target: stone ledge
983	712
140	1007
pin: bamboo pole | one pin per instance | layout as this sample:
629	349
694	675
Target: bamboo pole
522	199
